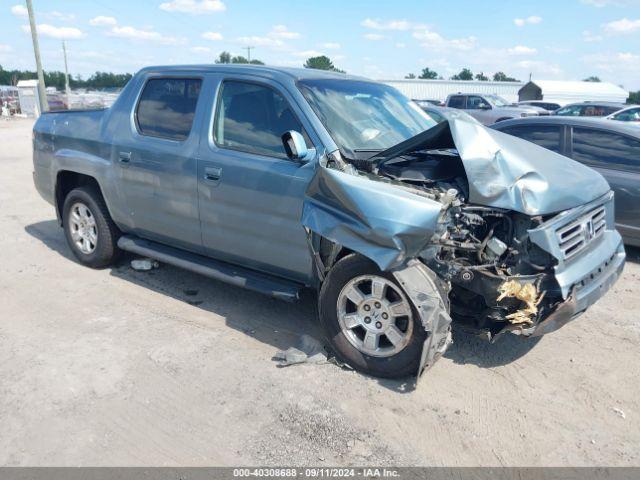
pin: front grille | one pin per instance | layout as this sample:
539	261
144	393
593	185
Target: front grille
575	236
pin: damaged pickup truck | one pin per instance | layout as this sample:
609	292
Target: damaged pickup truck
279	179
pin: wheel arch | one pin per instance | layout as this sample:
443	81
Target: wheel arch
67	180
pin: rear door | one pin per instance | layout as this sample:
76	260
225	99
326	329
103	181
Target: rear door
617	157
155	150
250	193
547	136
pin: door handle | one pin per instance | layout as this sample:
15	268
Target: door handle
212	174
124	157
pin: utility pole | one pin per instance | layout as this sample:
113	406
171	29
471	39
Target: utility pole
249	53
42	93
66	75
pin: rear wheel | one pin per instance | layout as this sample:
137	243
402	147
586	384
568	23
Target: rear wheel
89	229
368	319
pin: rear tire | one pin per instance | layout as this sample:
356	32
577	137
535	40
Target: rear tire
382	309
89	229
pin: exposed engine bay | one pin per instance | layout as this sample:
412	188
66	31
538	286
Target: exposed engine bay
499	280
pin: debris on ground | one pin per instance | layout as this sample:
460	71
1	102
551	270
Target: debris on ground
307	350
144	264
620	412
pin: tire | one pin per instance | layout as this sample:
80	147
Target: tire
389	360
92	236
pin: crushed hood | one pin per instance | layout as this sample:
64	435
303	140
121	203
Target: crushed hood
390	224
504	171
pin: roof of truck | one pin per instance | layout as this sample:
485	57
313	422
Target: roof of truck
259	70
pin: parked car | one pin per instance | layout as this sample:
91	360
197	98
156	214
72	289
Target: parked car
630	114
548	106
611	148
590	109
489	109
282	179
426	103
441	114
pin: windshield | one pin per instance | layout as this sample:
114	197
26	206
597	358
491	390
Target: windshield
362	115
497	100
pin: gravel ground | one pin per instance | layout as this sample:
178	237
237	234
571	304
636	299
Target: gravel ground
118	367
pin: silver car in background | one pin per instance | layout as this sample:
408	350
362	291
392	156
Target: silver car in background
489	109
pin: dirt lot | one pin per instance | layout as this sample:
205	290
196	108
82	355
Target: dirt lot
118	367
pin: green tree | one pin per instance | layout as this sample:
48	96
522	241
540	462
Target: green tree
592	78
224	57
482	77
410	76
465	74
634	98
321	63
428	74
502	77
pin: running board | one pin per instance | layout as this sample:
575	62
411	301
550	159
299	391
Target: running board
225	272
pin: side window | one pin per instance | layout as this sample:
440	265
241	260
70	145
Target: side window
457	101
167	107
252	118
605	148
573	110
544	135
474	102
631	115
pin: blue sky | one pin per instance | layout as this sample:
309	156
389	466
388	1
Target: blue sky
559	39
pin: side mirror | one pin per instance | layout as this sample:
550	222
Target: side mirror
294	145
484	106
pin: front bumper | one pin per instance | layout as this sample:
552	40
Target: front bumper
585	292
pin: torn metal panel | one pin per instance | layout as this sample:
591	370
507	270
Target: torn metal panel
379	220
507	172
429	295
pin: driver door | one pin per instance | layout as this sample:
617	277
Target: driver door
477	107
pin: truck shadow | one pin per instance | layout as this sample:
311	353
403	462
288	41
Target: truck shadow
270	321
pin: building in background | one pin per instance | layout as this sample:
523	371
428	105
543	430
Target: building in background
440	89
562	92
28	95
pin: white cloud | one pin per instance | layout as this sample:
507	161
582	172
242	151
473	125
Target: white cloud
539	67
102	21
331	46
215	36
622	26
308	53
280	31
613	3
65	17
589	37
66	33
532	20
521	50
435	41
373	36
194	6
149	35
19	11
5	48
201	49
273	39
257	41
388	25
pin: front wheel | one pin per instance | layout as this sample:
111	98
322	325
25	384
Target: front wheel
368	319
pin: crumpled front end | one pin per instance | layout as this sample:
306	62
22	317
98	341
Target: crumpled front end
477	226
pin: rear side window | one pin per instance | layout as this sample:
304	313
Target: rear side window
546	136
599	147
457	101
252	118
167	107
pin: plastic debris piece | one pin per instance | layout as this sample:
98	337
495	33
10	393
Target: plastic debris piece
527	293
307	350
144	264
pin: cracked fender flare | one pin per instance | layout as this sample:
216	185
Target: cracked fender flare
429	294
